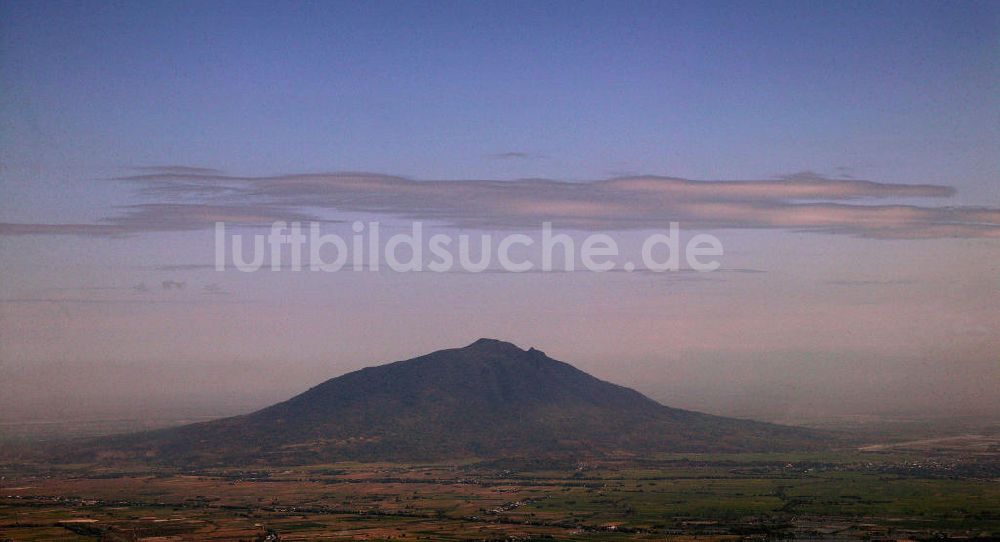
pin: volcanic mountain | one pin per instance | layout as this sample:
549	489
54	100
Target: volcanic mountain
488	399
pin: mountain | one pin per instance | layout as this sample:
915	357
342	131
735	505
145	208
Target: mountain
488	399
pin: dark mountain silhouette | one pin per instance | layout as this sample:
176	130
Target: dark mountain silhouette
488	399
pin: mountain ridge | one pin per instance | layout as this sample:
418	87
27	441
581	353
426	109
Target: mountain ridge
487	399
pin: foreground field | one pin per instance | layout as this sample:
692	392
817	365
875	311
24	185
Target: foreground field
886	494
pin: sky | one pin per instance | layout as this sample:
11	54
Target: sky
845	154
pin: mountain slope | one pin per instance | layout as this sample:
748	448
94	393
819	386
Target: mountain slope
488	399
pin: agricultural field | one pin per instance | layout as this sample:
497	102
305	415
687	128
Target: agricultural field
885	494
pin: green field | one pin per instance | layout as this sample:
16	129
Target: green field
712	497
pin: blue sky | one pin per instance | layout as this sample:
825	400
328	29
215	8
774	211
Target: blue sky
891	92
902	92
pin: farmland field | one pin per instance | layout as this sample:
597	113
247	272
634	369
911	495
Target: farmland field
847	495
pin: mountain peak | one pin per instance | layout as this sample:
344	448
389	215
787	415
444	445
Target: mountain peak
487	399
495	345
